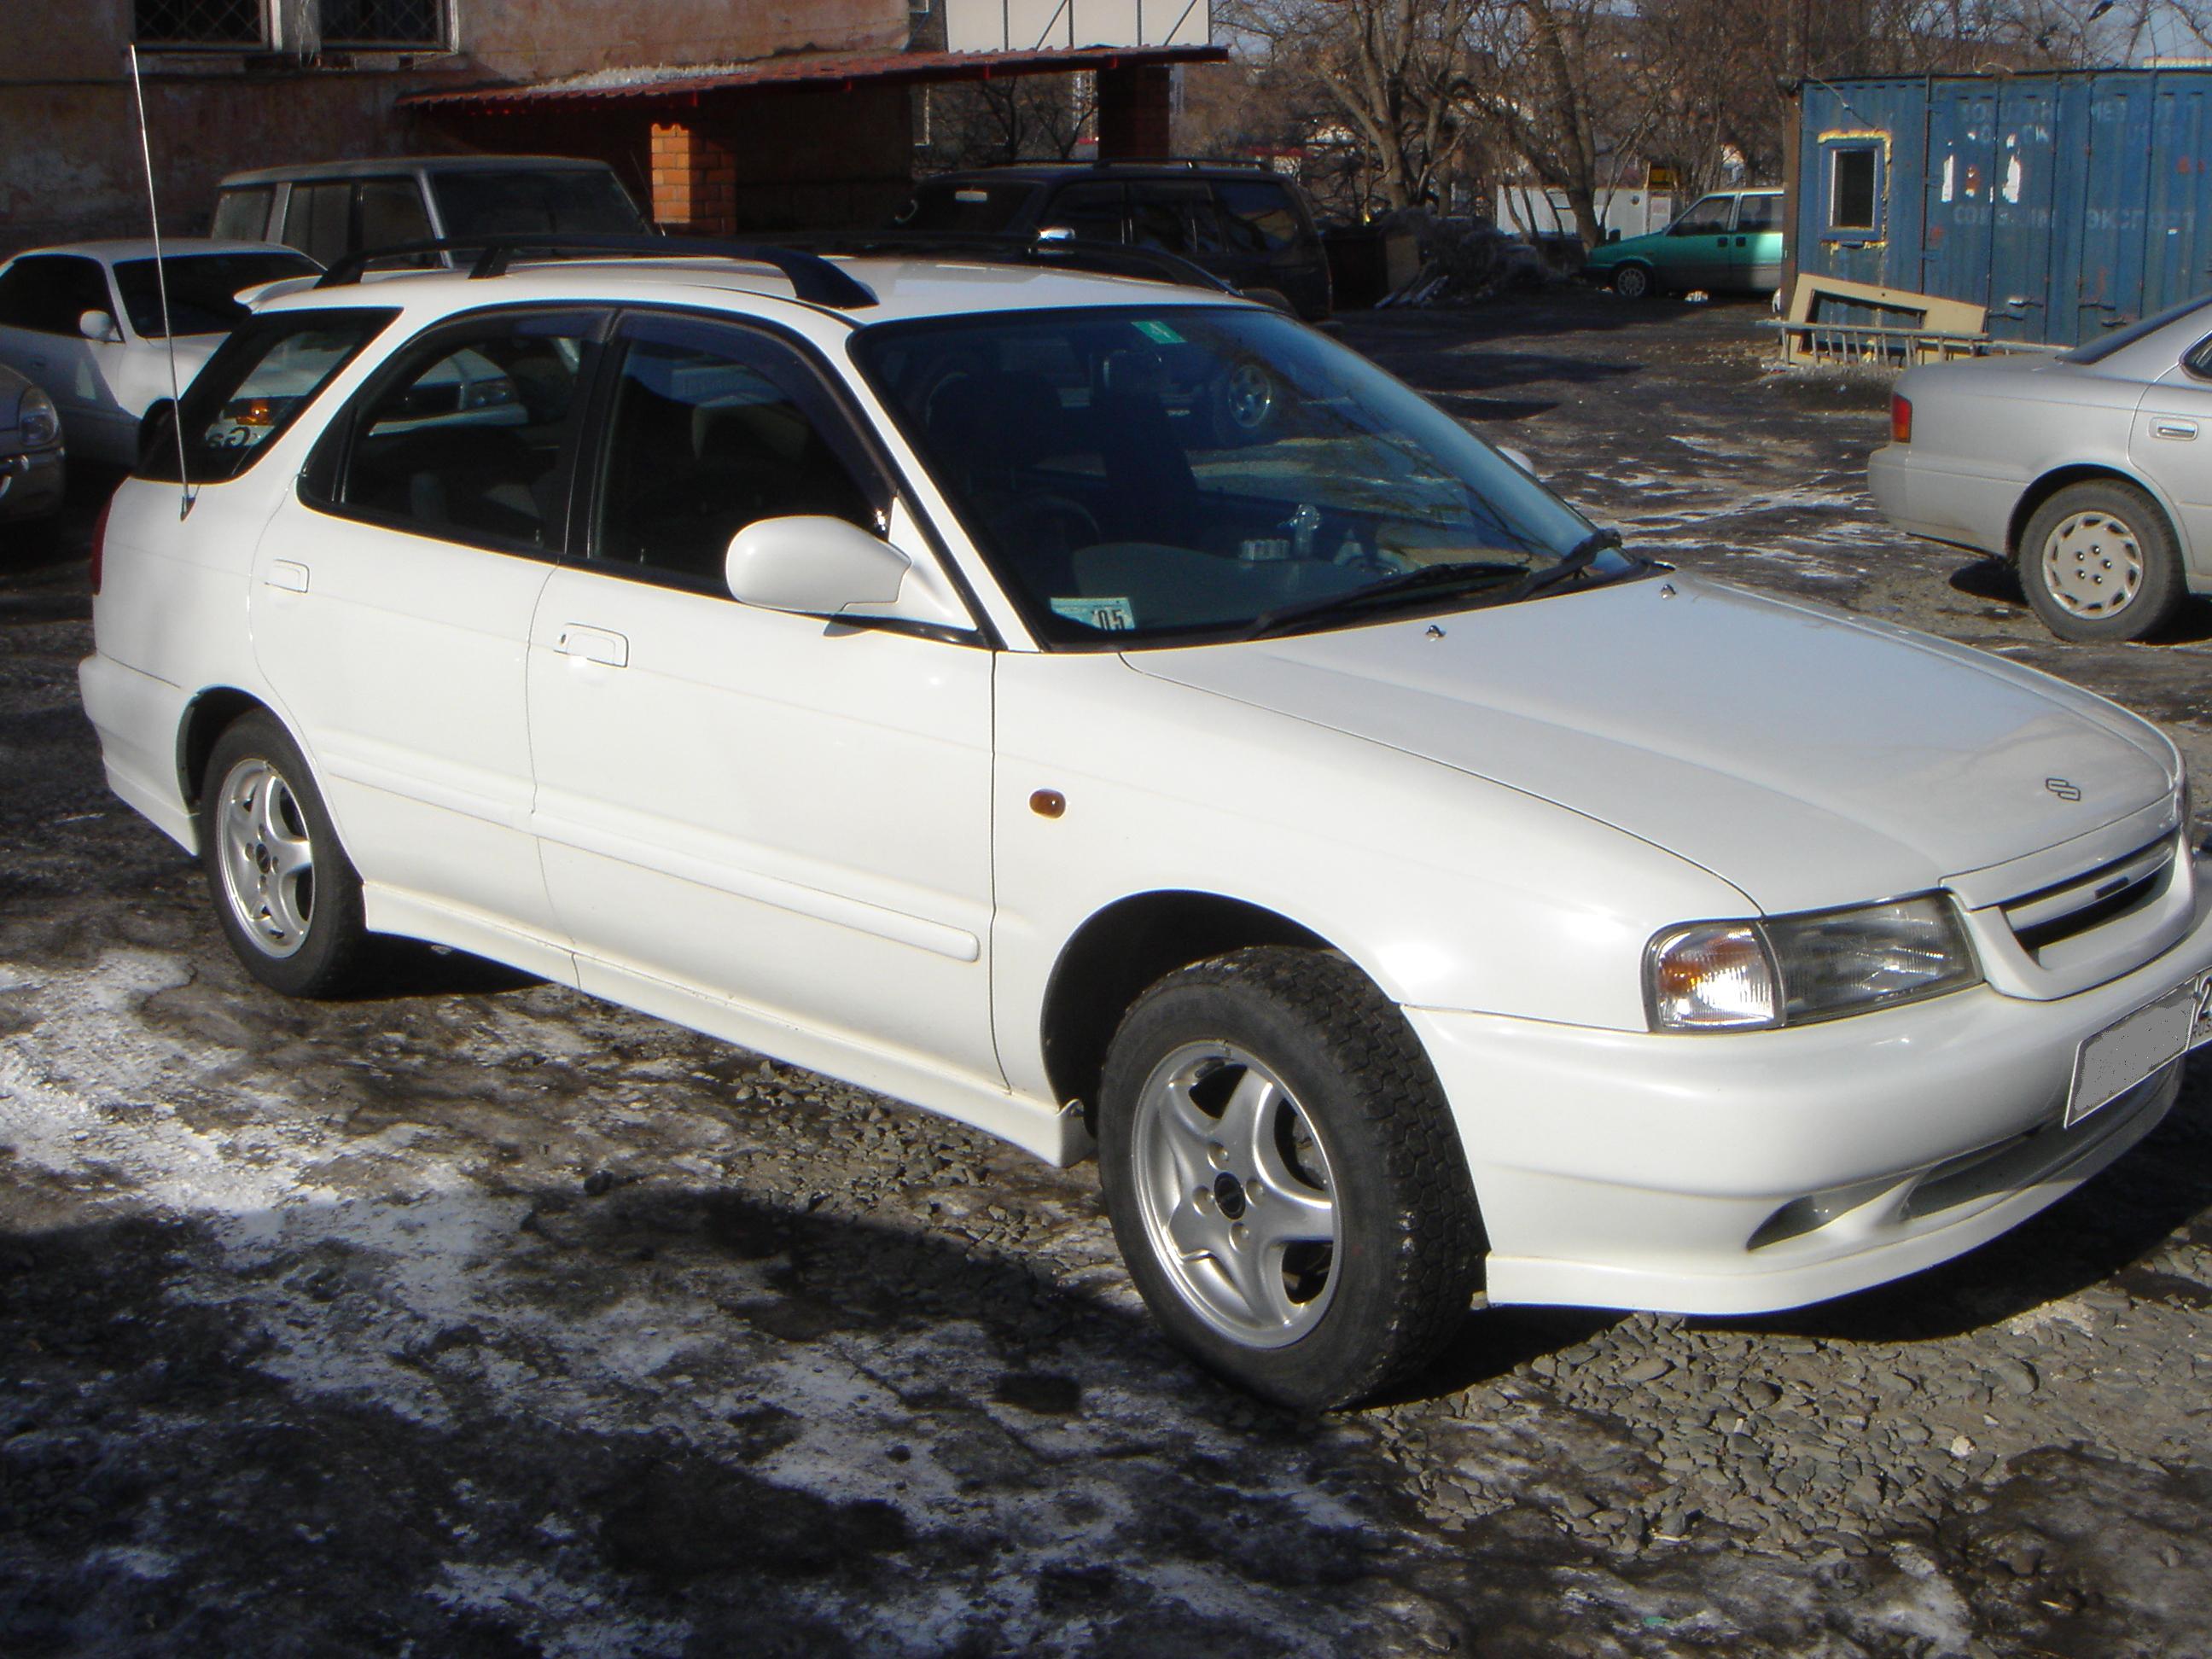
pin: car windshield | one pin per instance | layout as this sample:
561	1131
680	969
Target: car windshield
202	289
977	209
1146	477
523	201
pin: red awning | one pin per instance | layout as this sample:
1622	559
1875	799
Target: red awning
685	82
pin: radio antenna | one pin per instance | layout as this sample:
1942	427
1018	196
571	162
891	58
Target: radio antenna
161	288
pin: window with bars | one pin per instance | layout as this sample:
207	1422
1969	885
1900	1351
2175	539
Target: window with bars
384	22
202	22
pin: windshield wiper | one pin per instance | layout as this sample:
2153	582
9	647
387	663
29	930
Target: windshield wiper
1468	573
1578	559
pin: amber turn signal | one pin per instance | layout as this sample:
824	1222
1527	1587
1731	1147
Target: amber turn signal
1047	803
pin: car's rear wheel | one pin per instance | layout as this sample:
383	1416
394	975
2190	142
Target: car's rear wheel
1633	282
2099	562
1284	1177
285	892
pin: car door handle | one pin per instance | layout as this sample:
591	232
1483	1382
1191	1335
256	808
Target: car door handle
288	576
594	645
2173	428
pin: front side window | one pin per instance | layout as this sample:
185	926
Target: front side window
318	219
214	23
254	386
1707	218
713	429
203	287
48	293
1147	477
465	437
1092	211
242	216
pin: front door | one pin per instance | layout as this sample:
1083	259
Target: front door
786	815
392	603
1696	252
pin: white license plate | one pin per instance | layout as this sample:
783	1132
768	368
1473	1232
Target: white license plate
2129	1049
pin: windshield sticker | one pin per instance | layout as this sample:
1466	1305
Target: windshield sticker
1114	616
1159	333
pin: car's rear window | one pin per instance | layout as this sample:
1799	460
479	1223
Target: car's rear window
526	201
202	289
981	209
252	388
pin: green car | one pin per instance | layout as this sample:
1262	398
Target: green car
1729	239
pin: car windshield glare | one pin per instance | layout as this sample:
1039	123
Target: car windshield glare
1145	476
202	289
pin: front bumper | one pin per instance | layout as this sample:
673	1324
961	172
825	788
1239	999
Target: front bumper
32	483
1748	1172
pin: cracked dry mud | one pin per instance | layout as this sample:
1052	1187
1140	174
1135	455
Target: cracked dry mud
476	1318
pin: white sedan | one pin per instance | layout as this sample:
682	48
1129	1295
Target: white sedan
84	321
897	667
2088	470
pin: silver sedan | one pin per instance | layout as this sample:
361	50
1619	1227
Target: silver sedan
2091	471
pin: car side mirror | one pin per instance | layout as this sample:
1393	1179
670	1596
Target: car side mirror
812	565
99	325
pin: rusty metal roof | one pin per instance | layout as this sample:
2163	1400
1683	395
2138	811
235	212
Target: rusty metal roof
685	82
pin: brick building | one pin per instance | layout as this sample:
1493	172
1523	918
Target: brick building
720	114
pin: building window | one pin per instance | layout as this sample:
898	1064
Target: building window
216	23
1855	191
387	23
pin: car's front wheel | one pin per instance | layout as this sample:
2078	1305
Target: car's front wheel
2099	562
286	895
1284	1177
1633	282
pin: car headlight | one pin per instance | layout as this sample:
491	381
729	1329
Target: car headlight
1792	970
35	417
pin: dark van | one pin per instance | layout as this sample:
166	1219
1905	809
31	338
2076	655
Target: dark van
1239	220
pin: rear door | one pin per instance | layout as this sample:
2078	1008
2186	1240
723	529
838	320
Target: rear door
391	604
1755	249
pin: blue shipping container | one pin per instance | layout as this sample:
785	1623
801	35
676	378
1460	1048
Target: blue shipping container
2068	203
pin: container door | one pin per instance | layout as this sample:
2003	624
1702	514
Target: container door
1962	164
2022	191
2177	251
2109	292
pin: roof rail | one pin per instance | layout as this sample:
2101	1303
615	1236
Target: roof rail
813	278
1191	163
1073	254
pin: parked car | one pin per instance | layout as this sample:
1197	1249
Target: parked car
32	463
2087	470
1731	239
1246	224
84	321
1384	870
328	210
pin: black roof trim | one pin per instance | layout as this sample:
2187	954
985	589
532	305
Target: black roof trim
813	278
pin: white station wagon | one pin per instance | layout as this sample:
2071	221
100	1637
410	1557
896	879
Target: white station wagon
1117	716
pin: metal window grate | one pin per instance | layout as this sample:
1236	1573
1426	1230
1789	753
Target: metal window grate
201	22
384	22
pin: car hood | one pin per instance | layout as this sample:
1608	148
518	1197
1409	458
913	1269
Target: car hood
1610	253
1808	758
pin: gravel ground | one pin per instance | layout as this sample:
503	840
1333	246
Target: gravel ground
478	1318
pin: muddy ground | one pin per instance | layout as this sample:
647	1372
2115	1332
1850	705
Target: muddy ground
476	1318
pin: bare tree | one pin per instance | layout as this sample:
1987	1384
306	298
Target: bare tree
1031	117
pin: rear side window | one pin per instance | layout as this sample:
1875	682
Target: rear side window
391	212
242	216
524	203
466	436
1759	213
254	387
48	292
1257	215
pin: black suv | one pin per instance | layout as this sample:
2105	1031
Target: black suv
1238	219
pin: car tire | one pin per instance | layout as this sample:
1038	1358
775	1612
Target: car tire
1634	282
286	895
1284	1177
2099	562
